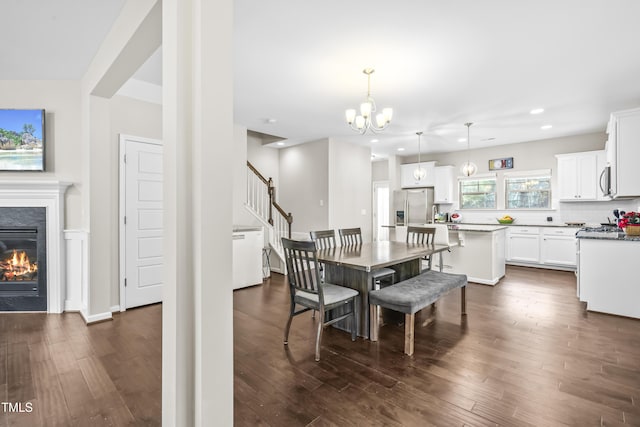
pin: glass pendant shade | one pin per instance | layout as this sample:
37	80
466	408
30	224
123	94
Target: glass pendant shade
469	169
365	109
350	115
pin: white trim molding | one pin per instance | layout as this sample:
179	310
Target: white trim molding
50	195
77	268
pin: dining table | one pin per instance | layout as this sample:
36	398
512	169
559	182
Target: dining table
353	265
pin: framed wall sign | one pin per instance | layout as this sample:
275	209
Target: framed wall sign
497	164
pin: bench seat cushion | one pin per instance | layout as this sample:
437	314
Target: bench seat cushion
415	293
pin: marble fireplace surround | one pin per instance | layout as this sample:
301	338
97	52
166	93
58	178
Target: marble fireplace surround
50	195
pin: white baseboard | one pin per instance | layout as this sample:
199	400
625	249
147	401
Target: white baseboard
115	308
72	306
95	317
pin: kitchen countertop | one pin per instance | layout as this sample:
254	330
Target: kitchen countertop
607	235
475	227
531	224
243	228
547	224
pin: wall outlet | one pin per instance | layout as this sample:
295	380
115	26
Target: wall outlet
321	202
363	211
549	218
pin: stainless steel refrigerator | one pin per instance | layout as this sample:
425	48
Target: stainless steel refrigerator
413	206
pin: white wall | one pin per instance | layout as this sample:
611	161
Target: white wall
265	159
350	187
304	182
380	170
61	100
130	117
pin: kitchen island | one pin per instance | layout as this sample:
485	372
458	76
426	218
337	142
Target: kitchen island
479	253
608	271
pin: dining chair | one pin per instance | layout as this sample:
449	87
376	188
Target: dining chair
325	239
350	236
424	236
309	290
353	236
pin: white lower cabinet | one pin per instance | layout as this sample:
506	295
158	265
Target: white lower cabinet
558	247
549	247
247	257
523	244
607	276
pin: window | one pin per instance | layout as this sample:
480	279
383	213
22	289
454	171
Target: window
531	191
478	193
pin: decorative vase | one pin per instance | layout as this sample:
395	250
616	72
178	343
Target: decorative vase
632	230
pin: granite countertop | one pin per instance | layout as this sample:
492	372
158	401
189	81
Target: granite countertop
532	224
607	235
243	228
476	227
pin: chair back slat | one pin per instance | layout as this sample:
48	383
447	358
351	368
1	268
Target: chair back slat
422	235
350	236
302	262
324	239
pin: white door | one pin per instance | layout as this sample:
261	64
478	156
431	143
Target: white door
141	171
380	211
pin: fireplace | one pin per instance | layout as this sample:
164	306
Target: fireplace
23	277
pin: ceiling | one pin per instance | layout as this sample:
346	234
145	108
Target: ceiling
298	65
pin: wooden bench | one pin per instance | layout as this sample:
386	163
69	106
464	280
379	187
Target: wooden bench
411	296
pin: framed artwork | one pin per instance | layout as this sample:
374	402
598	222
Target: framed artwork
22	140
497	164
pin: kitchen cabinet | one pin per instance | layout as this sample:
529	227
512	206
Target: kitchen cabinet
578	176
407	180
558	246
606	276
247	256
623	152
443	188
523	244
479	253
547	247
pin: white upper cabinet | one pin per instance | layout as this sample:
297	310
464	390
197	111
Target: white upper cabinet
408	180
623	152
578	176
443	188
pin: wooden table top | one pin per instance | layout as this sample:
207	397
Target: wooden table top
371	256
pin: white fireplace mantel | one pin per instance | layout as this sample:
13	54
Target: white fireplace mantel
50	195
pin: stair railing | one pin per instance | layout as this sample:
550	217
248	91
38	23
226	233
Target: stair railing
261	198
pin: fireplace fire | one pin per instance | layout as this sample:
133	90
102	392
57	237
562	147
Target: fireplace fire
20	251
18	267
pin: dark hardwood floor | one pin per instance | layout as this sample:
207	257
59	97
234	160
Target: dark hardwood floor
108	374
527	354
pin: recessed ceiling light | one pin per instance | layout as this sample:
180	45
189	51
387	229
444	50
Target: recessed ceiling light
280	143
271	121
400	149
545	127
374	140
462	139
537	111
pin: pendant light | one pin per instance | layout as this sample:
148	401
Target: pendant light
468	168
365	121
419	173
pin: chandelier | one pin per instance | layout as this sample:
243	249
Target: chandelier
363	122
468	168
419	173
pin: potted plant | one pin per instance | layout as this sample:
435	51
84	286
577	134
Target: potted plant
630	223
